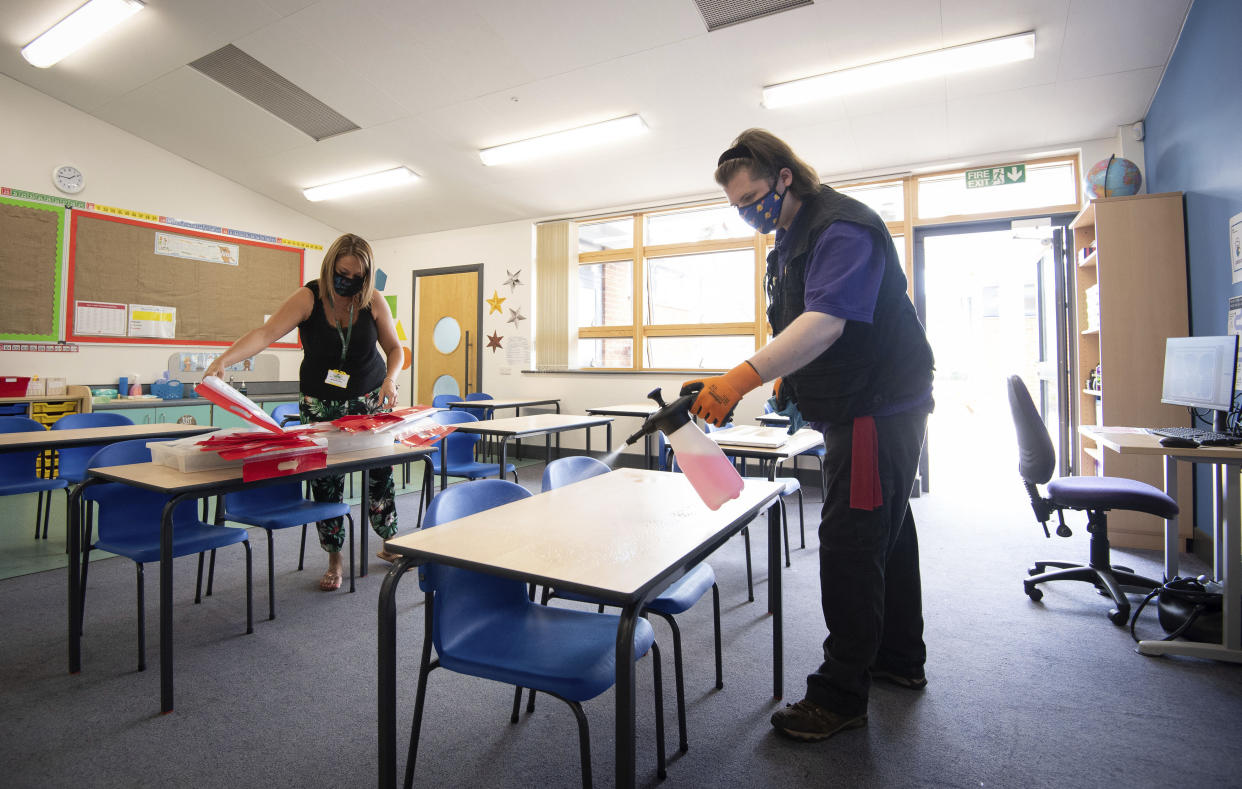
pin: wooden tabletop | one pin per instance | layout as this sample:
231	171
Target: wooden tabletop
517	403
609	535
799	442
1137	441
171	481
535	424
51	439
625	409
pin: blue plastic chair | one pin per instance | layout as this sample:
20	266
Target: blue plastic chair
73	460
485	626
819	453
458	449
282	507
442	400
18	472
287	413
128	524
676	599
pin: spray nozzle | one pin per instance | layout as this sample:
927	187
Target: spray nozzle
668	418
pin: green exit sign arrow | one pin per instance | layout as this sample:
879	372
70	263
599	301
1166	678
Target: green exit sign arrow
996	176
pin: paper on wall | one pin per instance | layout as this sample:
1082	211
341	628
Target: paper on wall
1235	327
1235	246
150	320
177	246
100	318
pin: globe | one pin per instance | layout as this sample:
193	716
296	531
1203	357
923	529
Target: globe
1113	177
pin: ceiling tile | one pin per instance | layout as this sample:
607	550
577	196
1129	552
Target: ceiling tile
1106	36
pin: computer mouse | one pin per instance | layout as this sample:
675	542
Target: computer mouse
1174	441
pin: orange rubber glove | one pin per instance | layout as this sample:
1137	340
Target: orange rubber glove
718	396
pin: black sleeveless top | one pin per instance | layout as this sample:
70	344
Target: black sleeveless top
321	352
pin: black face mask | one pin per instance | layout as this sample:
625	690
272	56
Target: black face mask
346	286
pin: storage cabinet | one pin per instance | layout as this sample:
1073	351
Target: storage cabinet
1129	297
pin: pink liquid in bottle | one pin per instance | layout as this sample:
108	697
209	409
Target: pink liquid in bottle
711	473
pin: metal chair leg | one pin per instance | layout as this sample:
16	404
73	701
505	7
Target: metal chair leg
661	771
38	511
801	518
716	627
750	578
584	742
679	681
211	572
142	616
198	584
302	550
426	666
249	590
271	577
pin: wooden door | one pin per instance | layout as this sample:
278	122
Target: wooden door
447	309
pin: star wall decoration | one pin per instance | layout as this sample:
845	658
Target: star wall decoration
493	342
494	302
516	316
513	280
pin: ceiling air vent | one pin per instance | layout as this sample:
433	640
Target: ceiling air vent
722	13
257	83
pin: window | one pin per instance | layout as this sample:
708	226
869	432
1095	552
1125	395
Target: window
1051	183
710	287
606	294
609	234
698	224
886	199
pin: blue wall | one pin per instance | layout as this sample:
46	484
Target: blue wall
1194	145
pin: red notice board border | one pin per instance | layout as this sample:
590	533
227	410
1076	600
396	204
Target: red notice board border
70	330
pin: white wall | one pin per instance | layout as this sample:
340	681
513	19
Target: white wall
40	133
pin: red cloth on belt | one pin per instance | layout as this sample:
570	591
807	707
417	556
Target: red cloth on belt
865	466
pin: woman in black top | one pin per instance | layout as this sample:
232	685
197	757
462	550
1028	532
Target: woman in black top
340	317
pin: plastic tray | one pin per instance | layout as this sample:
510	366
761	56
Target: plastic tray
13	386
185	455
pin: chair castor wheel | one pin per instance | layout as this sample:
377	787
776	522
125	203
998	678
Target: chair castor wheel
1118	617
1033	592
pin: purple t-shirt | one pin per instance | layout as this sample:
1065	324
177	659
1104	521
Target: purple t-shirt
842	278
843	273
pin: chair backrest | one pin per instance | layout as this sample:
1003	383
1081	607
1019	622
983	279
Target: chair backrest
73	460
459	591
94	419
126	511
1036	457
284	411
18	465
457	447
269	498
442	400
481	413
574	468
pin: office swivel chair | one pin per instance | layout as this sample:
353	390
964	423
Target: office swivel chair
1094	495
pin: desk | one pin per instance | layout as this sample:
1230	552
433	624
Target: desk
640	410
85	436
1225	544
199	484
773	420
771	457
516	404
526	426
622	536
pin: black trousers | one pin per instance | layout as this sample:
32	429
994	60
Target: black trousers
869	569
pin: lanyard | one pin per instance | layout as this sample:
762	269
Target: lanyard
345	338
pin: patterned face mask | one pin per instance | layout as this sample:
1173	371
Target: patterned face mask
762	214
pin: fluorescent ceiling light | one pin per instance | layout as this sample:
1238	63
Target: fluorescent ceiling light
361	183
78	29
559	142
939	62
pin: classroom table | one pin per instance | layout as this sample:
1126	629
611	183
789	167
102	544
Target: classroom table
640	410
623	537
517	404
773	420
519	427
85	436
1226	538
200	484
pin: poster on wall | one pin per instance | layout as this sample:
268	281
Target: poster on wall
149	320
1235	326
100	318
206	250
1235	246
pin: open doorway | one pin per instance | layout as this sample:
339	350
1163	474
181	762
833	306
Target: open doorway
991	295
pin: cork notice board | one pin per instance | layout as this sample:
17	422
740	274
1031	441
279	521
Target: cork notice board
30	250
113	260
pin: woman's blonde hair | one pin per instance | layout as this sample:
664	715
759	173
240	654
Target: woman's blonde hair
348	244
764	155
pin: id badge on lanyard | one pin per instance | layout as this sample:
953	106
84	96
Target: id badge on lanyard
340	378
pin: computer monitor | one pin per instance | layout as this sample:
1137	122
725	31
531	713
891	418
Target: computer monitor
1199	371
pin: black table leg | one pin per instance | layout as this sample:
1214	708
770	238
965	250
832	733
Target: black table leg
75	538
166	602
647	451
625	697
774	599
364	522
547	449
504	447
387	671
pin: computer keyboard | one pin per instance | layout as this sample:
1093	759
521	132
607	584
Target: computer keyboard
1207	438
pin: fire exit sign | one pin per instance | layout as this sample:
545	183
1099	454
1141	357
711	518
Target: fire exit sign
996	176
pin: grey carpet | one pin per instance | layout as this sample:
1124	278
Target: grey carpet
1020	694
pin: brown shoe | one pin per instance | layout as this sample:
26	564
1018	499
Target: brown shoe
901	680
807	721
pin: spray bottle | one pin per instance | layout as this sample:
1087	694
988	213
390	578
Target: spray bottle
714	478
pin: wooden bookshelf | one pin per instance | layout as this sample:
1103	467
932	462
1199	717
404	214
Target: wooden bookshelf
1139	264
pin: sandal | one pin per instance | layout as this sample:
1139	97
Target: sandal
388	557
331	580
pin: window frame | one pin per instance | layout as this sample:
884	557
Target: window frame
639	253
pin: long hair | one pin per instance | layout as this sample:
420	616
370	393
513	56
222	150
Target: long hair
348	244
764	155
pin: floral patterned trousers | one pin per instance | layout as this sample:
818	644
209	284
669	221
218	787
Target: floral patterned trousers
383	514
